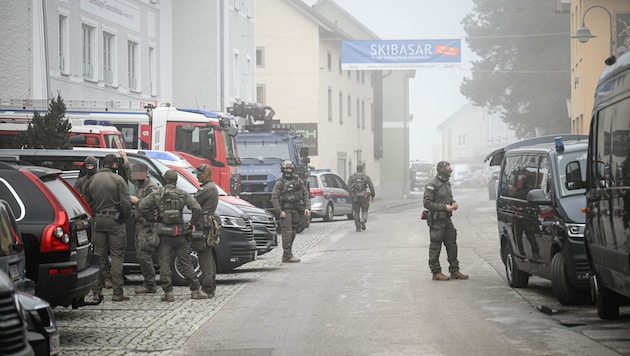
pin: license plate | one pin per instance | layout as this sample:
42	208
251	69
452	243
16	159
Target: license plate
14	272
54	344
82	237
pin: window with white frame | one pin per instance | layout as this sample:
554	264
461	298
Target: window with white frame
63	44
363	114
260	57
109	55
330	105
152	72
461	140
132	65
236	75
358	114
88	50
261	94
340	107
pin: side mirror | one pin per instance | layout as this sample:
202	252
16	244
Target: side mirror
538	197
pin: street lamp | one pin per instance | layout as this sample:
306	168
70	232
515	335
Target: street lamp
583	34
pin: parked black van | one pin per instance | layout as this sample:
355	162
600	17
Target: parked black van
608	190
539	216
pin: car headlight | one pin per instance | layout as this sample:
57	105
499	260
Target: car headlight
575	230
260	218
232	222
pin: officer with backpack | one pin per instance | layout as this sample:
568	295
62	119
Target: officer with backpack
359	183
291	198
167	204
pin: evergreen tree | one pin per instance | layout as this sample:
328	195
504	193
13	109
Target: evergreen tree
50	130
522	70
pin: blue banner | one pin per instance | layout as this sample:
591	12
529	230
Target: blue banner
400	54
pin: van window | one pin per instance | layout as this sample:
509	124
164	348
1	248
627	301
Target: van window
520	175
563	161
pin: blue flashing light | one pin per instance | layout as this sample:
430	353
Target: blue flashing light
90	122
206	113
165	156
559	144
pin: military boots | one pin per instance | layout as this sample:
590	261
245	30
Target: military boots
440	277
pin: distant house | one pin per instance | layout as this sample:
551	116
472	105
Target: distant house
471	133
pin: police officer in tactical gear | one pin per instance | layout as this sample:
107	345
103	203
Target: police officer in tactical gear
108	196
87	171
291	198
208	198
167	204
145	234
358	183
438	200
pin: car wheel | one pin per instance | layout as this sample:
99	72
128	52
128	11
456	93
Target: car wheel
562	288
176	270
606	301
516	278
330	213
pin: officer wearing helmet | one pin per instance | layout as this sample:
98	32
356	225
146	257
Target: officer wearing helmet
438	200
208	198
291	198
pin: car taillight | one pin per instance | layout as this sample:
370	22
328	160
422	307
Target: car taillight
55	235
62	270
316	192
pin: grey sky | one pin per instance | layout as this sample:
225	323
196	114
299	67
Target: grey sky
434	94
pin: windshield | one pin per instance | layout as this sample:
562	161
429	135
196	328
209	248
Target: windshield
261	150
563	161
229	144
115	141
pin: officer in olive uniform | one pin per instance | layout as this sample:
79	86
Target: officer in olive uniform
173	237
291	198
144	228
108	196
208	198
360	200
438	200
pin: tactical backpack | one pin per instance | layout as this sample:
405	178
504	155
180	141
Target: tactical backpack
171	217
359	184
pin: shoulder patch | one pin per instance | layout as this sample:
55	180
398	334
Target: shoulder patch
430	187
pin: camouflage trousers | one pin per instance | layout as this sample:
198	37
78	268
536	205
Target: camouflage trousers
110	240
144	257
207	264
360	207
289	225
441	232
179	247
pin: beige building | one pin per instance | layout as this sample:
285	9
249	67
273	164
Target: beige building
299	74
609	21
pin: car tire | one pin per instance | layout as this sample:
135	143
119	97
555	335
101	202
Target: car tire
606	301
562	288
515	277
178	278
329	215
350	216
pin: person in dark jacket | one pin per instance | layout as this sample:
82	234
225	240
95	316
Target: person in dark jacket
291	198
108	196
438	200
359	183
208	198
172	231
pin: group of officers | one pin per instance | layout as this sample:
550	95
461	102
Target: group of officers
107	193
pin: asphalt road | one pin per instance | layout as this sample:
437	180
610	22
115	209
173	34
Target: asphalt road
367	293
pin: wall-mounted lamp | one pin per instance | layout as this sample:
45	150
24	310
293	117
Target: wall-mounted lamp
583	34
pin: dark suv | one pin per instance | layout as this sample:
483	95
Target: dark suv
55	225
540	223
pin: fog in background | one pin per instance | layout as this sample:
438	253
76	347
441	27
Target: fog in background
434	94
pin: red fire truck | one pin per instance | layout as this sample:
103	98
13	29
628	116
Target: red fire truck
199	136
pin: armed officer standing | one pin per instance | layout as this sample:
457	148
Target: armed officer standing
167	204
438	200
291	198
208	198
145	247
